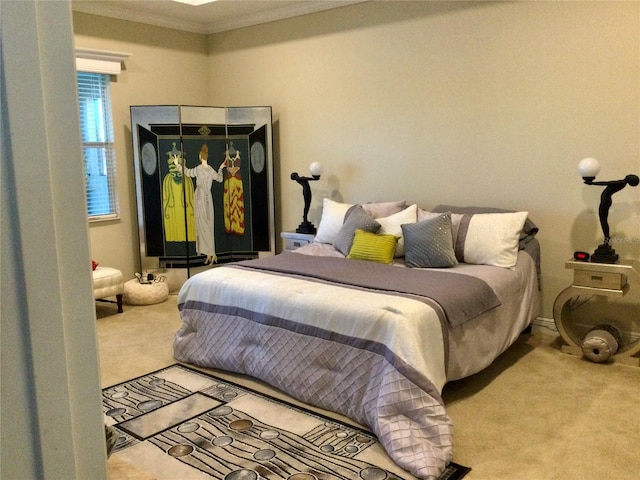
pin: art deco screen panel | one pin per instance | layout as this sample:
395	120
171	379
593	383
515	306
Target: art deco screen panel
204	178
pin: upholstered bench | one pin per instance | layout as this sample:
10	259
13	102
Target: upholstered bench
136	293
107	282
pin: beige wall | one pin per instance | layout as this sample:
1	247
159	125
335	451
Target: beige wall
489	104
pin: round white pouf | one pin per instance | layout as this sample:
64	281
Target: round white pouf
136	293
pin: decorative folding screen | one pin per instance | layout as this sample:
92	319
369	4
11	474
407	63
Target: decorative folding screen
204	181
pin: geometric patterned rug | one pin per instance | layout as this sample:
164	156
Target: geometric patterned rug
180	423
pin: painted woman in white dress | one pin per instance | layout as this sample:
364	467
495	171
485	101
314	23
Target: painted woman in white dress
205	175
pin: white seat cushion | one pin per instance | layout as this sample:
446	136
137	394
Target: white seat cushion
107	282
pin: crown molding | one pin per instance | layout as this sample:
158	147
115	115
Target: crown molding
205	28
133	15
277	13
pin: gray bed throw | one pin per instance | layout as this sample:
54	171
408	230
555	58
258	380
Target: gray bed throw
439	286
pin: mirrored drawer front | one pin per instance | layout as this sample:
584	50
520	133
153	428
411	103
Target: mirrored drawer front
586	278
293	243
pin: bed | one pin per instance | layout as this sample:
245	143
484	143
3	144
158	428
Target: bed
371	320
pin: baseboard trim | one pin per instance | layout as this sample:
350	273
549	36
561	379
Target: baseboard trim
547	326
544	325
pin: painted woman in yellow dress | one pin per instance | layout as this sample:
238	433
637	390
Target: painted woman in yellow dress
233	193
176	203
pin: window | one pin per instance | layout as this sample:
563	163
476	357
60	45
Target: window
97	145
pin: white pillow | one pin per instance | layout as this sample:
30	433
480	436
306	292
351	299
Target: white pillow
331	221
490	238
392	225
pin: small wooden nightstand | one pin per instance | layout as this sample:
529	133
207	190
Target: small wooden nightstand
603	279
293	240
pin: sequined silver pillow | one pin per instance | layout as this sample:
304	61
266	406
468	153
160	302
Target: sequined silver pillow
429	243
355	219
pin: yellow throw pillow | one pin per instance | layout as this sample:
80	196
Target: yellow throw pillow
373	247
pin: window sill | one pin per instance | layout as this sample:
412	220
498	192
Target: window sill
104	218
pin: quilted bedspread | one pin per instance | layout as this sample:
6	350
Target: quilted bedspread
370	354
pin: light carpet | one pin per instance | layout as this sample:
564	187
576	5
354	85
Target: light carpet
180	423
535	413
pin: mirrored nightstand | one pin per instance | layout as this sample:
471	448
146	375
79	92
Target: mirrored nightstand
293	240
595	279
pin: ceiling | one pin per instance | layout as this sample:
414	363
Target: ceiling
213	17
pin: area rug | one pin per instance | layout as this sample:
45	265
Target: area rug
180	423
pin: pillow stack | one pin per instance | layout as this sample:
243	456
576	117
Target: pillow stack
491	238
340	221
438	239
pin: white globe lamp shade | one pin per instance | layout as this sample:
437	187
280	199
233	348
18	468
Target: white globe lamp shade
316	169
589	168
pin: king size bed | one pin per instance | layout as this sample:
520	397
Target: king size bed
373	318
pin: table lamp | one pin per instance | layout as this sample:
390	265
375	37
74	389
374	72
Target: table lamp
589	168
316	170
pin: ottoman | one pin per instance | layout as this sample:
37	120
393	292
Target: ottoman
107	282
136	293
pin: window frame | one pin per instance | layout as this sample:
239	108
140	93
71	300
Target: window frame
106	63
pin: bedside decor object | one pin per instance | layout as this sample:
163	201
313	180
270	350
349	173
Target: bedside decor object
601	343
589	168
581	256
316	170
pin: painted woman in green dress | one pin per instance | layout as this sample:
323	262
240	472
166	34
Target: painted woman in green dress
176	203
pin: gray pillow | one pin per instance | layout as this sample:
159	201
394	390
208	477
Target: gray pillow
356	219
429	243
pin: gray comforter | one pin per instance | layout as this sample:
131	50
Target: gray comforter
330	333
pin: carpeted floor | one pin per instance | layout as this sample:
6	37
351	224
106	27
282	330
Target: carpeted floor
535	414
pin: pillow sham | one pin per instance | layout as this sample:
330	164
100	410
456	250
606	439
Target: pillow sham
490	238
391	225
423	214
384	209
429	243
373	247
331	221
357	218
529	230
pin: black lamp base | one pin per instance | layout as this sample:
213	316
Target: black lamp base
604	254
306	227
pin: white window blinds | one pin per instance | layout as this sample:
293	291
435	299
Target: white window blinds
97	145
